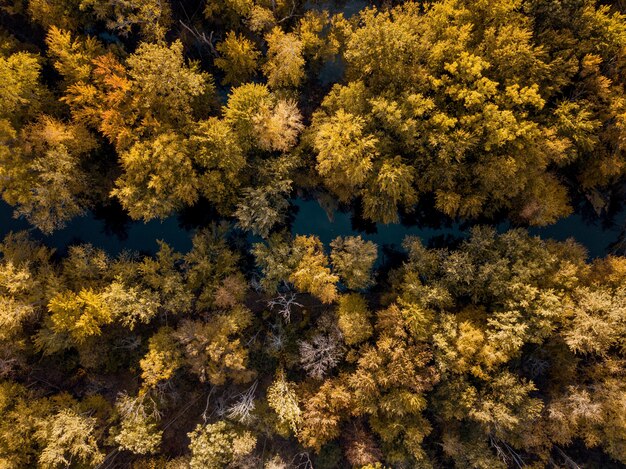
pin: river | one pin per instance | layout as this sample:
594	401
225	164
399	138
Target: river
115	233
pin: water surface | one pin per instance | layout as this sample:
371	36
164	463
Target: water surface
114	235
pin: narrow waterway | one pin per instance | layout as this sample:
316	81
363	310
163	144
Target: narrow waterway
115	234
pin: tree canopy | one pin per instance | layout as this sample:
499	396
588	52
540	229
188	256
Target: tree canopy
265	346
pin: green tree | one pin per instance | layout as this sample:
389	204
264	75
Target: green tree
219	161
311	273
80	315
212	272
43	176
158	178
262	208
163	358
238	59
282	398
162	274
68	438
276	261
354	318
214	350
285	64
353	260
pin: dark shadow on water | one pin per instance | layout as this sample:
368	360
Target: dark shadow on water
292	215
361	224
116	220
109	228
197	216
442	241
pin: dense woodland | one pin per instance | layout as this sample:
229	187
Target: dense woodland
498	350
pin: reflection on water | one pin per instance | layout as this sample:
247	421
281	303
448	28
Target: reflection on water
110	233
111	230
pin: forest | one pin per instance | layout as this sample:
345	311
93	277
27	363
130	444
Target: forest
261	348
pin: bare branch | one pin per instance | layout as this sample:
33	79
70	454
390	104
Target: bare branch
283	304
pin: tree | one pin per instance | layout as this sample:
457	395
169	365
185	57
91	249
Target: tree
320	354
22	94
263	208
131	305
220	162
344	153
276	261
353	260
317	43
238	59
354	318
282	398
213	350
279	127
162	274
158	177
481	113
20	411
80	315
43	177
361	449
390	381
323	412
138	431
597	323
26	275
261	120
60	13
285	64
163	358
590	123
393	188
66	438
165	83
73	57
244	103
212	271
153	92
153	17
311	273
219	445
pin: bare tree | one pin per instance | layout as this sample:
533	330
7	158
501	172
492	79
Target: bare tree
283	303
321	354
255	284
569	462
242	409
7	365
507	454
141	407
302	461
130	342
276	339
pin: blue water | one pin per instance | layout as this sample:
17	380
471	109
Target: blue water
310	218
137	236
